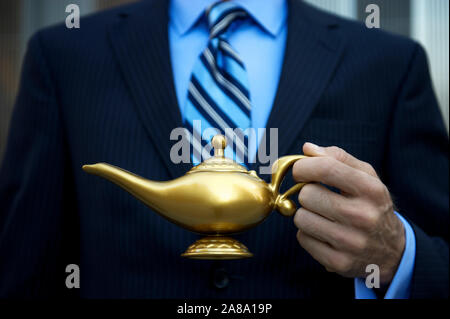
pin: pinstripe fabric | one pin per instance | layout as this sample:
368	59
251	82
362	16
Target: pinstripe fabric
218	99
105	93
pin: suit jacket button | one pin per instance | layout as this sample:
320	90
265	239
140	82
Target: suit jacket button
220	278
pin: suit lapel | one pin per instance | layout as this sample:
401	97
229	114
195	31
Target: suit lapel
312	53
140	42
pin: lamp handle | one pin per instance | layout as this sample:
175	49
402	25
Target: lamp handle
283	204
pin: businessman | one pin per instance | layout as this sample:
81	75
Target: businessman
358	101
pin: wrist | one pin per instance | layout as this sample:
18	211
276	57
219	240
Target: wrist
388	271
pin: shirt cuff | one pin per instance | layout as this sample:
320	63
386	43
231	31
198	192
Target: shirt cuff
400	286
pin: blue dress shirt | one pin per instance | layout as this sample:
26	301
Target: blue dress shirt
259	41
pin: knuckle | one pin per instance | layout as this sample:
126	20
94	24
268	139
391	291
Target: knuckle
339	263
338	238
351	212
297	170
307	223
339	153
298	218
369	169
361	217
302	219
387	196
349	241
360	244
346	266
388	206
307	194
385	206
370	220
304	194
376	189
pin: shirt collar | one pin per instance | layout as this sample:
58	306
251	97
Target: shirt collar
270	14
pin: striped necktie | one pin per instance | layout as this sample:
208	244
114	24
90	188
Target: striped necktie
218	95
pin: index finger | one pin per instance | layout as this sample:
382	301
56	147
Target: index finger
341	155
328	170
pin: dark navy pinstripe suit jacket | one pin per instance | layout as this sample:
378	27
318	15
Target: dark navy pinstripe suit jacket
105	92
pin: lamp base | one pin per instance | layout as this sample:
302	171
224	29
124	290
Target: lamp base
217	247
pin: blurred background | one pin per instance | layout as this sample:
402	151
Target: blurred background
426	21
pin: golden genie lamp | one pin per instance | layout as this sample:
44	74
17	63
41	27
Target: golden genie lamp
216	198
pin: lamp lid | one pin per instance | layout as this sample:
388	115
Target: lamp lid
218	163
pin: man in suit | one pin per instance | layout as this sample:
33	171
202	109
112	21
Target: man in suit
114	90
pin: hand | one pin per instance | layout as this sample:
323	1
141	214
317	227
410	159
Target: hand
346	232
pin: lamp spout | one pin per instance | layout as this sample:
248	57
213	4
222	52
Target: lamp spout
149	192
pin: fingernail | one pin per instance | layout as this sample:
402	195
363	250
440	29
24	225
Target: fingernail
316	148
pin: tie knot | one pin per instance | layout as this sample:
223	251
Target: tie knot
221	15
